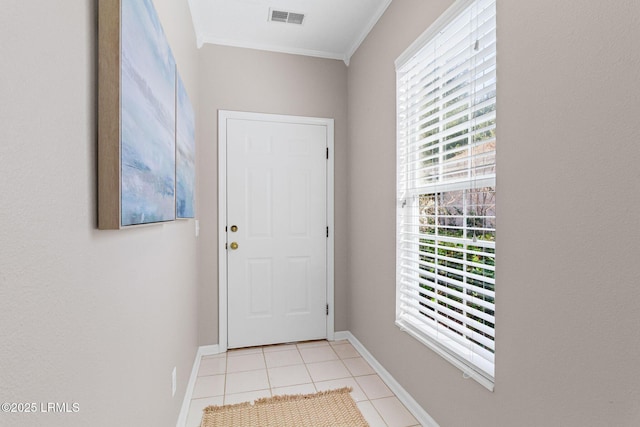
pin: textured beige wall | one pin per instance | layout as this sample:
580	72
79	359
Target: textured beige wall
568	336
94	317
265	82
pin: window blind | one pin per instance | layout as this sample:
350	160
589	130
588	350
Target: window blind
446	177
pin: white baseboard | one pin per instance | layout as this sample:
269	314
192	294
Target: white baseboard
209	350
342	335
205	350
409	402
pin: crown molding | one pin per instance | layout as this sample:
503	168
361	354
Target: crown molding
365	32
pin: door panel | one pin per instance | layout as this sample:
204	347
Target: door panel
259	287
277	197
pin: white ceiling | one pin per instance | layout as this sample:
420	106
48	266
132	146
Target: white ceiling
331	28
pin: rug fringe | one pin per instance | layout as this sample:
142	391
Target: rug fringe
295	397
219	408
273	399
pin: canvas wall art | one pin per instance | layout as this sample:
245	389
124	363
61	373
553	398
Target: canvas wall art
146	136
147	118
185	154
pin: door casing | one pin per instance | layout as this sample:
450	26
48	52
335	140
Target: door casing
223	116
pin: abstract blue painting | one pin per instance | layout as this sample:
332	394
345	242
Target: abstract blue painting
148	91
185	155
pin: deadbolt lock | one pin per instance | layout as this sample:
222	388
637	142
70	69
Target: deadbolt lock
234	228
233	245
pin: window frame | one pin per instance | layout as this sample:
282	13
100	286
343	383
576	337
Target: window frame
457	354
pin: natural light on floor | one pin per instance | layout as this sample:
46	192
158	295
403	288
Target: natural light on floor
249	374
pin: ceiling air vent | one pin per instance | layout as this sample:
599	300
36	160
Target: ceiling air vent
287	17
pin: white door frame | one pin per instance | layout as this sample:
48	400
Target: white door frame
223	115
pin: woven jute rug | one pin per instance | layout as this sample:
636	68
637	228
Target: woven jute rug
333	408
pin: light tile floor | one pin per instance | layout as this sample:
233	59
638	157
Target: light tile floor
249	374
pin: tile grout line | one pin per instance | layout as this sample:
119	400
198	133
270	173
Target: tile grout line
306	368
266	369
351	376
378	412
313	383
224	382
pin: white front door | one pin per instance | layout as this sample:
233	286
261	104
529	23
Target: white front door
276	231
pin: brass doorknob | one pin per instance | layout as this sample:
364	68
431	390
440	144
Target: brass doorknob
233	245
234	228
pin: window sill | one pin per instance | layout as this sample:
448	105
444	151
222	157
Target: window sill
467	371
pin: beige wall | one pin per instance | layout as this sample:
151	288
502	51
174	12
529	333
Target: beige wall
568	335
94	317
265	82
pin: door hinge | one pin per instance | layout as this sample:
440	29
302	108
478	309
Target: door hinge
327	232
327	153
327	309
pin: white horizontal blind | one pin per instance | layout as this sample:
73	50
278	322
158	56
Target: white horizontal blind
446	93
